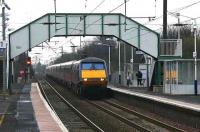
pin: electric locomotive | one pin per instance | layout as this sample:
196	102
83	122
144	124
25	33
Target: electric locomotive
85	77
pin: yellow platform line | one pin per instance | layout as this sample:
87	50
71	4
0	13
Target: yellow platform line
2	119
4	94
3	116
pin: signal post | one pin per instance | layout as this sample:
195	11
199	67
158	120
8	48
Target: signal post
28	65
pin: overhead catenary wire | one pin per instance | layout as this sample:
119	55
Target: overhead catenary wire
187	6
82	19
155	5
85	4
51	47
179	9
172	11
141	34
108	12
176	10
114	10
98	6
89	13
118	6
174	14
190	18
99	18
111	11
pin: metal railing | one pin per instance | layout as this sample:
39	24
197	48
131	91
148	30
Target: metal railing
170	47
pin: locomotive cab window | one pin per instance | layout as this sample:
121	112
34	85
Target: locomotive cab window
92	66
98	66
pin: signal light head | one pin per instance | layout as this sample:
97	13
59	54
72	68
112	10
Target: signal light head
28	61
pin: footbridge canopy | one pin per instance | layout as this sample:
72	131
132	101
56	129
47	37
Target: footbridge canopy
83	24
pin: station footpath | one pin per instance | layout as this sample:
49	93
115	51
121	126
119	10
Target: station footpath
191	102
25	110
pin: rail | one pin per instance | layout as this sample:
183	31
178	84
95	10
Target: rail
123	119
154	121
88	121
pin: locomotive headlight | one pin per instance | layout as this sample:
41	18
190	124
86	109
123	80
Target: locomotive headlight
85	79
102	79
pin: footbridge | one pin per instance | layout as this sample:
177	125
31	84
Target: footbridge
63	24
83	24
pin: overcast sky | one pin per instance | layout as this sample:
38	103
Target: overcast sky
25	11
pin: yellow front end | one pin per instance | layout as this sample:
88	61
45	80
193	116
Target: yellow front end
94	78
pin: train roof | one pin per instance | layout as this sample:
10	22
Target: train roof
92	59
61	64
88	59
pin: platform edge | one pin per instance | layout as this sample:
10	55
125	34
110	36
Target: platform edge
53	114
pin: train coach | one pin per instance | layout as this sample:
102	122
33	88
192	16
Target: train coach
85	77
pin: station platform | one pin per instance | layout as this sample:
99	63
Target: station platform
26	110
190	102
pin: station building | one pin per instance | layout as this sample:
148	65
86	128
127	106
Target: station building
178	72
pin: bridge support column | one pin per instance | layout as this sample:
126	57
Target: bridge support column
158	75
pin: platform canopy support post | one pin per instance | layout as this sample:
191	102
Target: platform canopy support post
9	67
158	76
119	61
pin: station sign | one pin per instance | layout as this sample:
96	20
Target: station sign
2	47
138	52
131	60
2	50
194	54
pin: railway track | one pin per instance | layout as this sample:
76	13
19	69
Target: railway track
118	112
72	118
102	119
157	125
125	120
154	121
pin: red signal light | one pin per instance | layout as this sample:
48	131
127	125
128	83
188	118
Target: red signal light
28	61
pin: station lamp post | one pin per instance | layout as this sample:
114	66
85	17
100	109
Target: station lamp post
5	55
148	62
119	62
109	60
195	58
73	50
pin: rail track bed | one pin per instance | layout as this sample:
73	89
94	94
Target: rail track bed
107	114
73	120
98	117
151	116
133	118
